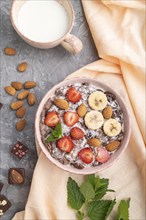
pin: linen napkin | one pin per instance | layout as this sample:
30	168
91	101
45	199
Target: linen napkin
118	29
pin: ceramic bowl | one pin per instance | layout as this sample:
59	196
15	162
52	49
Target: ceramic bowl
115	156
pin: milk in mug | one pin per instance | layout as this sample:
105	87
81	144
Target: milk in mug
43	20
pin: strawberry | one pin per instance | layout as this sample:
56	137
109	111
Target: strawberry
102	155
73	95
52	119
86	155
65	144
76	133
70	118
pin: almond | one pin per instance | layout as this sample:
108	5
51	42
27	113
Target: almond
21	112
82	110
20	125
29	84
17	85
113	145
31	99
94	142
22	67
16	177
61	103
10	90
16	105
9	51
22	95
107	112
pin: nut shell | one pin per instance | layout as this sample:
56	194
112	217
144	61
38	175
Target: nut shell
22	67
29	84
20	125
17	85
10	90
113	145
94	142
21	112
22	95
61	103
31	99
9	51
82	110
16	105
107	112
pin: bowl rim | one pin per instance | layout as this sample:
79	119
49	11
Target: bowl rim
116	155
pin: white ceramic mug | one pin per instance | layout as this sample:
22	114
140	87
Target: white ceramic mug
68	41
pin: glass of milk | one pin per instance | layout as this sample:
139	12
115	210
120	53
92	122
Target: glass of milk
45	23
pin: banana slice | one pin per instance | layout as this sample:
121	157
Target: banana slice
112	127
94	120
97	100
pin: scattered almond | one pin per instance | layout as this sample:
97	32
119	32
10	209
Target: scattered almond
29	84
17	85
21	112
22	95
61	103
113	145
10	90
82	110
31	99
22	67
9	51
16	105
107	112
20	125
16	176
95	142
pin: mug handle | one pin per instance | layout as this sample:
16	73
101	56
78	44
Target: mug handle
72	44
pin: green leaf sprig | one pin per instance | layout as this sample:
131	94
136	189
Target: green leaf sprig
87	199
56	133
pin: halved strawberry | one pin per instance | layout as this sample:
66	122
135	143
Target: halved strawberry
52	119
102	155
70	118
73	95
86	155
65	144
76	133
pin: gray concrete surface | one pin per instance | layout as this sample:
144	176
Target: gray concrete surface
47	68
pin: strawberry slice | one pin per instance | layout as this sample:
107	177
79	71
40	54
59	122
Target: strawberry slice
102	155
52	119
70	118
65	144
73	95
76	133
86	155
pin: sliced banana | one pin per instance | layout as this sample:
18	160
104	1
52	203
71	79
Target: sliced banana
94	120
97	100
112	127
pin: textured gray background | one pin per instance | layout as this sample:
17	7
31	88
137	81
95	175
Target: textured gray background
47	68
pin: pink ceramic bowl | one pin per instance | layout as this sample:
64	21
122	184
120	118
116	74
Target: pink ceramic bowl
115	156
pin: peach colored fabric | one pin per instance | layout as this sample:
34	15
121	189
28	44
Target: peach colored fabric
118	29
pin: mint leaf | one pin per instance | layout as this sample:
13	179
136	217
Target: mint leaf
123	210
101	187
74	196
110	208
58	128
87	190
99	209
91	179
56	133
